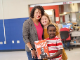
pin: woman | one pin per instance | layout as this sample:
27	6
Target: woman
32	31
45	21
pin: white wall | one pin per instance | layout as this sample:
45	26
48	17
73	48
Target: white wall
1	10
15	8
19	8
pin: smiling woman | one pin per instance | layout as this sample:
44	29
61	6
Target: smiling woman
33	31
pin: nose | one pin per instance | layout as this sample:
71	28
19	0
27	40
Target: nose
39	13
52	32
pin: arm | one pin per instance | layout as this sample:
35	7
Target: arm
33	52
26	37
26	34
56	54
70	27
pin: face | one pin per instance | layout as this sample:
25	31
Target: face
42	50
51	31
37	14
44	21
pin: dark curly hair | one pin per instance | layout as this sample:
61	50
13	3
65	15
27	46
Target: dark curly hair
50	25
37	7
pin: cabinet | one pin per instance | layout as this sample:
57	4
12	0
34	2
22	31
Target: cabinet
13	32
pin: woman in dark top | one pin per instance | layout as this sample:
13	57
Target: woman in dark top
32	31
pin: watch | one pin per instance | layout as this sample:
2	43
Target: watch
31	49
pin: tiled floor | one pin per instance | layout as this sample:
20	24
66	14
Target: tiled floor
21	55
73	54
14	55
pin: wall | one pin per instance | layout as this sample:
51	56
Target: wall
1	10
19	8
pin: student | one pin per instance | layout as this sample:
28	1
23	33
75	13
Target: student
54	44
45	21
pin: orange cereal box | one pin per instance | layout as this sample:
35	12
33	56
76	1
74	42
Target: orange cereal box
41	48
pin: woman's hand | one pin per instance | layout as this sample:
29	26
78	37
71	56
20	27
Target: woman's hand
33	53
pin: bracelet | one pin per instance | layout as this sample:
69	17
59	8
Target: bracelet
31	49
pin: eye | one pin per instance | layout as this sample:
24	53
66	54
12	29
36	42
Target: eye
54	30
36	12
50	30
42	18
45	18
